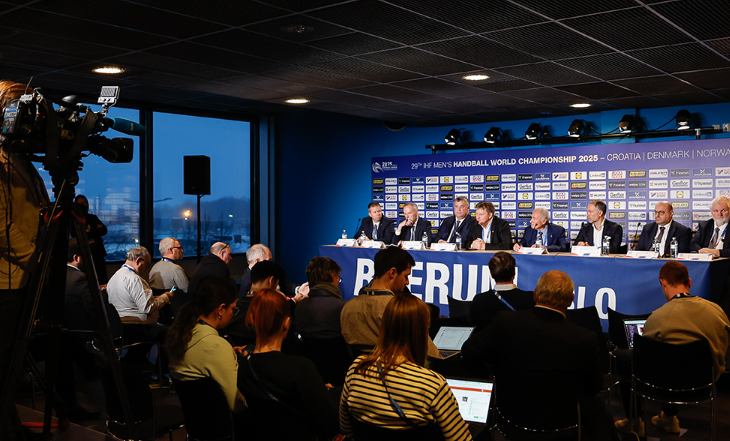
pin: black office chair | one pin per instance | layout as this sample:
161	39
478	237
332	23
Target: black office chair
674	374
204	406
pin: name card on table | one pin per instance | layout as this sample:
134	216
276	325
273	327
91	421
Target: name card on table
694	256
443	246
345	243
372	244
413	245
530	250
585	251
643	254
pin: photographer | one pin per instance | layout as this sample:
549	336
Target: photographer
23	195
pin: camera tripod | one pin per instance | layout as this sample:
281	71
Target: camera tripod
50	274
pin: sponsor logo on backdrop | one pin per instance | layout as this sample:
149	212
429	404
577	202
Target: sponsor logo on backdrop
476	179
512	177
447	197
542	186
578	176
658	173
524	177
477	187
432	197
722	183
702	172
597	194
617	205
404	189
679	183
578	215
636	194
446	180
617	174
543	204
578	185
418	181
701	216
418	188
509	206
680	194
637	215
637	184
560	215
676	204
701	205
702	194
432	214
637	174
542	195
491	187
418	197
563	176
722	171
404	197
579	205
617	215
509	196
525	205
560	195
542	176
509	187
491	197
432	189
524	215
597	185
561	205
658	184
637	205
378	198
658	194
616	184
392	197
461	187
702	183
525	186
391	181
391	189
447	188
679	173
432	180
509	215
492	178
578	194
597	175
461	179
404	181
476	197
617	195
525	196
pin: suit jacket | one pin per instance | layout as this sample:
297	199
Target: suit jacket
485	306
609	229
386	229
422	226
682	233
704	234
500	239
448	224
554	238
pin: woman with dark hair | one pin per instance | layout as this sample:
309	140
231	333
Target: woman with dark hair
286	396
391	389
194	346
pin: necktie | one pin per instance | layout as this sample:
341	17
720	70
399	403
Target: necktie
661	234
453	232
713	241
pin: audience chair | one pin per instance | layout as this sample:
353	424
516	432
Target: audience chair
536	405
673	374
152	420
204	406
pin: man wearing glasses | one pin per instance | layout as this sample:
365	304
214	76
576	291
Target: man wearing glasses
710	237
663	230
214	264
166	274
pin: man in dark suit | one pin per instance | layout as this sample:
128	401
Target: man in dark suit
376	226
488	232
413	227
505	296
541	340
552	236
664	229
710	236
592	233
460	222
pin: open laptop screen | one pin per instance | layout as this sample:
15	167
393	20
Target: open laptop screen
473	397
633	326
451	338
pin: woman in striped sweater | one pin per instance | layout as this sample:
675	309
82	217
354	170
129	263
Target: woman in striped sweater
390	393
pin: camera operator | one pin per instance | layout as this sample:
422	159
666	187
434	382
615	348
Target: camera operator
23	195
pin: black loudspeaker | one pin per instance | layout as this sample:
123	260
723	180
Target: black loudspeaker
196	174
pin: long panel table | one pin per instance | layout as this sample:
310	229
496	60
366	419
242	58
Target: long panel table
624	284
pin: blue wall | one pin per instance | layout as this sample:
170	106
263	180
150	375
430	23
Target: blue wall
323	166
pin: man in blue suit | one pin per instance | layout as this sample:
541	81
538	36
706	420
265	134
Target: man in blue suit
376	226
413	227
664	229
553	236
460	222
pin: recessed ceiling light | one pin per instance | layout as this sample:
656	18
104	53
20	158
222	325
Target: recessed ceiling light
297	101
109	70
297	29
580	105
476	77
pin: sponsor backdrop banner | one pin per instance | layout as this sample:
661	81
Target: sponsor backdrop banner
630	178
627	285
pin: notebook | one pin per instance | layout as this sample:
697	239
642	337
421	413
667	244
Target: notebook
450	338
473	397
633	326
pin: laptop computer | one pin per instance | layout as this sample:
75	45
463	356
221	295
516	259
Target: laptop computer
633	326
450	338
474	398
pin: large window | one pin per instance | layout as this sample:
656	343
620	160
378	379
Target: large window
226	212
